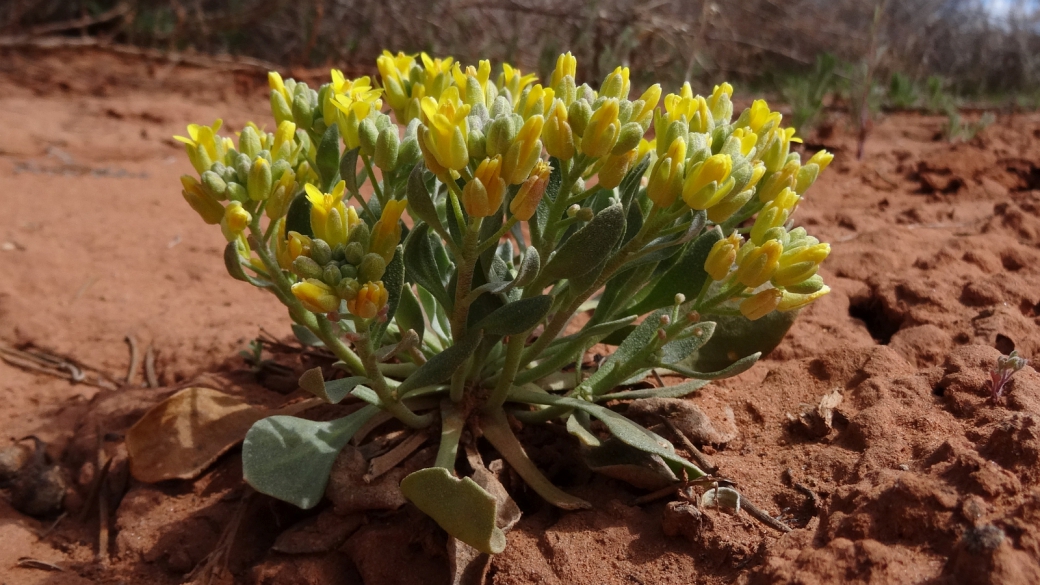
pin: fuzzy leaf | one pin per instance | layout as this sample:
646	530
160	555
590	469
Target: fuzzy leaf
677	391
564	350
393	279
290	458
738	367
409	313
441	366
305	336
460	506
686	276
516	317
332	391
737	338
600	235
233	263
619	426
421	264
419	201
326	161
348	169
298	218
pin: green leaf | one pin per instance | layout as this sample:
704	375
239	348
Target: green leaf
737	338
686	276
516	317
619	460
497	432
409	313
528	268
738	367
677	391
630	184
348	168
298	217
636	343
680	349
393	280
460	506
600	235
420	204
421	264
441	366
565	350
290	458
552	190
435	315
619	426
326	161
233	263
333	391
305	336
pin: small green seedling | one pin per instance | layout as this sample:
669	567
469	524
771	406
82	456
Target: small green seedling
527	205
1007	365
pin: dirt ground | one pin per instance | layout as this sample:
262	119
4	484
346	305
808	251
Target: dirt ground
918	478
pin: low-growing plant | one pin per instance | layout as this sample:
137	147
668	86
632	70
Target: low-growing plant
902	92
527	204
960	130
806	93
938	98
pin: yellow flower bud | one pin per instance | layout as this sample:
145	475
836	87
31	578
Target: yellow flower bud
235	221
211	211
316	296
774	215
759	118
800	264
785	178
747	139
395	71
665	182
729	205
645	114
297	245
777	147
259	184
758	264
284	141
203	145
473	83
616	84
821	159
535	102
348	102
530	194
557	134
615	167
761	304
370	299
704	184
722	256
792	301
386	233
524	152
720	104
566	65
511	79
274	81
483	195
602	130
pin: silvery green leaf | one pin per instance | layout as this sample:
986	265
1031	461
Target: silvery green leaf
441	366
583	434
348	169
601	234
233	263
619	460
460	506
326	161
528	268
680	349
435	315
724	498
737	338
290	458
686	276
619	426
565	350
421	264
738	367
305	336
298	217
608	375
409	313
332	391
516	317
677	391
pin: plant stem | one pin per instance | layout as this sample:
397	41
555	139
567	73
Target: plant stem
375	184
467	265
390	401
508	225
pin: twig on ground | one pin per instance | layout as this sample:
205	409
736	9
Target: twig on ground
27	563
149	367
695	453
54	365
132	371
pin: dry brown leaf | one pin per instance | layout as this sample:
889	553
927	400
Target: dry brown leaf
181	436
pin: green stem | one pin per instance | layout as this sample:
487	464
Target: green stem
387	397
508	225
728	292
514	351
372	178
452	425
463	284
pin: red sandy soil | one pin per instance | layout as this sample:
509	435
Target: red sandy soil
935	270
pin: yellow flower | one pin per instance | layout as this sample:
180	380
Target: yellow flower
203	145
473	83
537	102
436	75
722	256
386	233
615	167
720	104
530	194
761	304
524	152
284	145
821	159
557	134
760	119
747	139
785	178
370	299
566	65
350	102
665	182
706	183
483	195
681	105
777	146
513	80
774	215
792	301
331	219
757	264
211	211
235	221
296	245
445	129
602	130
394	71
646	147
274	81
316	296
